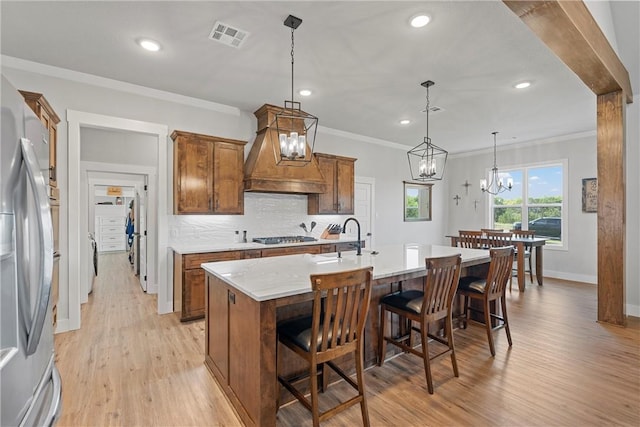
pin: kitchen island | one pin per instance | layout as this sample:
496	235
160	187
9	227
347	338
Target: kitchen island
245	299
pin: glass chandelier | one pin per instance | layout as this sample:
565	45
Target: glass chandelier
295	129
496	182
427	160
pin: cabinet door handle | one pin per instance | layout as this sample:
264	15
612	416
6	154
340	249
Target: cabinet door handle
232	297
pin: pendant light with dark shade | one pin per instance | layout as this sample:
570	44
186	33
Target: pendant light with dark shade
295	129
427	160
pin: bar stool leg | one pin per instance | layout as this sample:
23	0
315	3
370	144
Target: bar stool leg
382	343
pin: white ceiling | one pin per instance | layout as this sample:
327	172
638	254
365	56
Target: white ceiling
362	60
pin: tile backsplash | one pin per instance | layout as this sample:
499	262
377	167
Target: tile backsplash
265	214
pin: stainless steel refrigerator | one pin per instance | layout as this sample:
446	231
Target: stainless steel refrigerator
30	387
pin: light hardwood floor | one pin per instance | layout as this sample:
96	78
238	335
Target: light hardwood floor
128	366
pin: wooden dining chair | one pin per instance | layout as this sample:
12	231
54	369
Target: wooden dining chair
488	291
335	328
496	239
526	234
424	308
470	239
491	230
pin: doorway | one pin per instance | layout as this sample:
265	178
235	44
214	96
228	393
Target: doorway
132	188
364	203
157	209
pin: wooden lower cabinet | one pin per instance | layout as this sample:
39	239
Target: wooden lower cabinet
189	277
234	348
218	326
188	281
313	249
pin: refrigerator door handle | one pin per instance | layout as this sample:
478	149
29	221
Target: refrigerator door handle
51	377
45	228
56	404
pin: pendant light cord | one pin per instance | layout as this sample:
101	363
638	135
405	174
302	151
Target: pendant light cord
495	162
292	46
427	112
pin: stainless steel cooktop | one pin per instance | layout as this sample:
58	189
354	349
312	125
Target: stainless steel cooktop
283	239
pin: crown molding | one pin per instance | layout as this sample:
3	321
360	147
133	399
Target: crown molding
529	142
362	138
75	76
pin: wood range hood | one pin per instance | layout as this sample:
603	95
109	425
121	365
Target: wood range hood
263	174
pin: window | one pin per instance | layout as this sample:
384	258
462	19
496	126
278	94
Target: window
417	202
536	202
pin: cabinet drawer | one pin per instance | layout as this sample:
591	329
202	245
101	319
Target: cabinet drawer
111	229
111	220
112	238
312	249
194	260
256	253
106	247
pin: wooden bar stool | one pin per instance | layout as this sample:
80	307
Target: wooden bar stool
335	328
489	291
434	304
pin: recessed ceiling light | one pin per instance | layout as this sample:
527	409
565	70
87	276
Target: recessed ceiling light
405	121
522	85
420	21
150	45
305	92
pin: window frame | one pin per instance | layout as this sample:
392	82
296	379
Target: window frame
425	210
525	205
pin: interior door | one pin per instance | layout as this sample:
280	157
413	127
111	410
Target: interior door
363	201
142	230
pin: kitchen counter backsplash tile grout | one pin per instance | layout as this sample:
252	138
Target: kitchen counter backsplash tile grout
265	215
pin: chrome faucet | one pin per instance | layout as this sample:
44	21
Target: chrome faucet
344	230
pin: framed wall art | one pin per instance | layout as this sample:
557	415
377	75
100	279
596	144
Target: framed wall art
590	195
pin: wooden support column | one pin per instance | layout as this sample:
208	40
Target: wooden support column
611	208
569	30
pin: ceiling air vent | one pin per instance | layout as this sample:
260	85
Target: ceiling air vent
228	35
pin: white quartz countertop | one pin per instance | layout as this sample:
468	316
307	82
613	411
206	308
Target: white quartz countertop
274	277
202	247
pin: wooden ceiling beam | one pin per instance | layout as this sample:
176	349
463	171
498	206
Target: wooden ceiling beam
569	30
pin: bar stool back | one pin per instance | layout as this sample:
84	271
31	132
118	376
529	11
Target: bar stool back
335	328
423	308
490	290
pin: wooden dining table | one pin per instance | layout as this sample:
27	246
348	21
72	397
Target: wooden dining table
521	244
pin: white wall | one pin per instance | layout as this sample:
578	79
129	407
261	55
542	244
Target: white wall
579	261
280	214
105	146
65	95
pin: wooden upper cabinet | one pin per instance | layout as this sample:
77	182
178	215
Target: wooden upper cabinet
207	174
38	103
338	173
